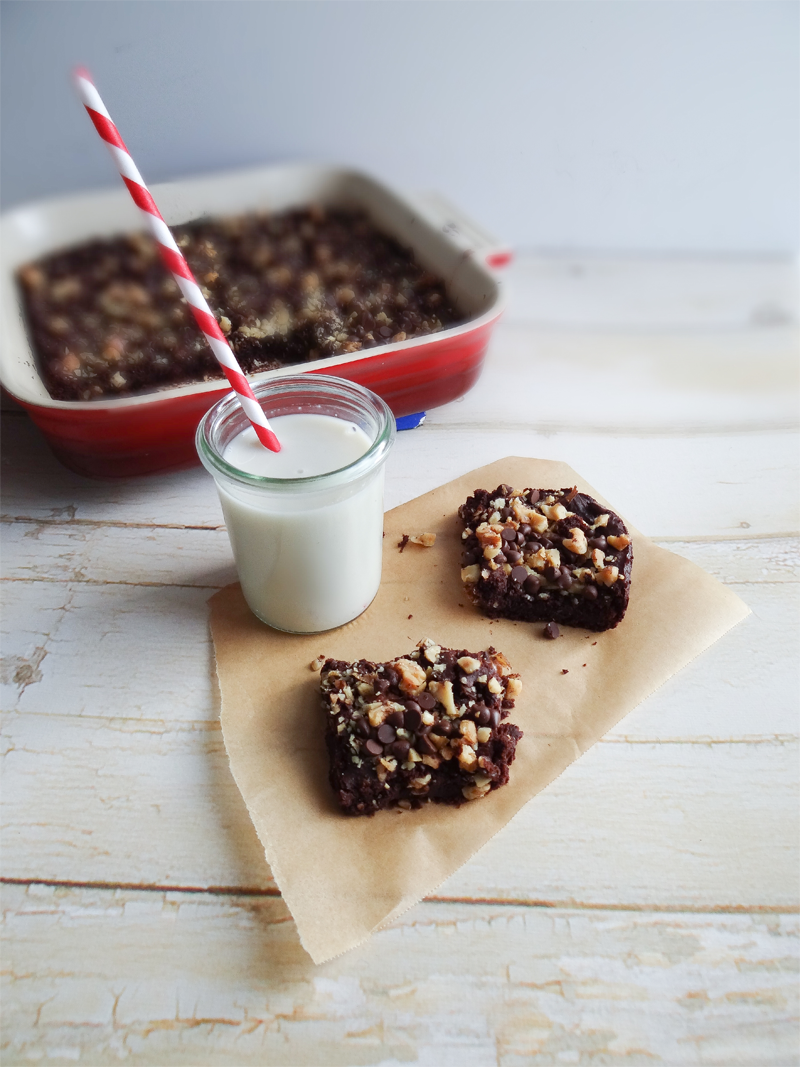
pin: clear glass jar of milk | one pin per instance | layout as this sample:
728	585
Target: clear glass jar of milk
305	523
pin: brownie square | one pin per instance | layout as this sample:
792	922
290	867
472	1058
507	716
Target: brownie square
425	727
551	555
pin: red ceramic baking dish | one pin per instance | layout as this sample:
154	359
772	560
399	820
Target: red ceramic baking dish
154	431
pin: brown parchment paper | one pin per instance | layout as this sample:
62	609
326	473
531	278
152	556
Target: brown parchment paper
343	877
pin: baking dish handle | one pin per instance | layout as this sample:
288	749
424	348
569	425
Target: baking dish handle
459	228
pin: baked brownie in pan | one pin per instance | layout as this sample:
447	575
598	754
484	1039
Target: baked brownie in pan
107	319
552	555
425	727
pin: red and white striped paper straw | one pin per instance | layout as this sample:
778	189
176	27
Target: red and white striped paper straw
173	259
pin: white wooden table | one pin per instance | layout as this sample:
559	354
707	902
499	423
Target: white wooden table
641	910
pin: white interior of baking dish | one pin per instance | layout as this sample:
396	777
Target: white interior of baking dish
443	241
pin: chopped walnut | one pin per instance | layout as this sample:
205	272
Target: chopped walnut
467	758
618	541
412	676
469	731
432	653
489	535
317	662
469	575
468	664
424	539
443	691
376	713
514	686
554	512
608	575
502	664
577	543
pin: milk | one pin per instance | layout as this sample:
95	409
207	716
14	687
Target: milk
308	554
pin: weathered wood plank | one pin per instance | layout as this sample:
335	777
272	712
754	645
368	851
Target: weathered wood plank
675	824
170	978
116	650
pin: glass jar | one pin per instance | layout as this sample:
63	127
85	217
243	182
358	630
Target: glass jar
308	549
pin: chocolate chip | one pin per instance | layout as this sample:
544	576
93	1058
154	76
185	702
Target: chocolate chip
525	530
513	556
413	716
427	701
483	716
534	496
500	558
598	542
380	685
519	574
396	718
552	573
375	748
590	592
391	676
400	750
494	718
509	534
425	746
532	584
468	558
386	734
565	581
445	728
362	728
551	631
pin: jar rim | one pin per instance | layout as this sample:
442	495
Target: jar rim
296	385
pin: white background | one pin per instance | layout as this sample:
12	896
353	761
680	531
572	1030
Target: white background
646	126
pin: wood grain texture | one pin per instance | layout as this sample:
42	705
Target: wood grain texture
172	978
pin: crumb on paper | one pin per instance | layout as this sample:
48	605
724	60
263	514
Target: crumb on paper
411	616
401	544
317	662
565	671
593	643
427	540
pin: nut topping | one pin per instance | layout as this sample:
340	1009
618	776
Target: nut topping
577	543
619	542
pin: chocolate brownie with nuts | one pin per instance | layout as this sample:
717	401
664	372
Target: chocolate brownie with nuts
552	555
425	727
107	319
